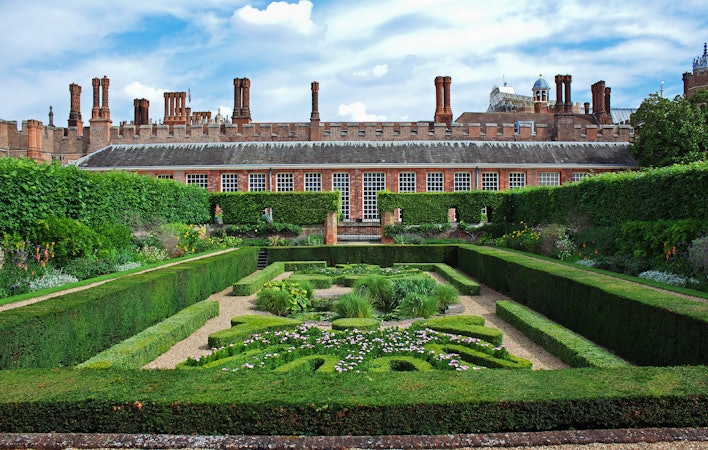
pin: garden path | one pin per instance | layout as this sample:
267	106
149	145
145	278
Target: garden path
231	306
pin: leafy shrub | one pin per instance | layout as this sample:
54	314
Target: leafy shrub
446	295
311	240
72	238
664	277
378	289
263	229
354	306
698	255
22	262
113	237
151	254
89	266
418	305
283	297
51	278
596	240
526	239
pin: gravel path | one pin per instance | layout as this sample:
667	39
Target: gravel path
230	306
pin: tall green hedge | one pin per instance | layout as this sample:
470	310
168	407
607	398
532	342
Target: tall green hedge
33	191
669	193
300	208
642	325
66	330
432	207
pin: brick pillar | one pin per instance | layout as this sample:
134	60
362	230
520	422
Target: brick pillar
607	104
386	219
142	111
330	228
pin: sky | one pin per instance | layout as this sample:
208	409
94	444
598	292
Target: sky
375	60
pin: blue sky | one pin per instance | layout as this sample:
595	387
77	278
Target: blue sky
374	59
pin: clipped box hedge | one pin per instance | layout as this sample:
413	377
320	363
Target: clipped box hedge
571	348
472	326
253	282
244	326
382	255
207	402
71	328
643	325
144	347
464	284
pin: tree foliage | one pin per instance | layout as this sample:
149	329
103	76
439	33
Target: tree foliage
670	131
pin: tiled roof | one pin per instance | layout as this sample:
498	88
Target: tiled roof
242	155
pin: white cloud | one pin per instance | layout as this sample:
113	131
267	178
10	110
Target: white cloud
296	16
377	71
138	90
356	112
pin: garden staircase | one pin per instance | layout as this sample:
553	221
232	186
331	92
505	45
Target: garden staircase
262	259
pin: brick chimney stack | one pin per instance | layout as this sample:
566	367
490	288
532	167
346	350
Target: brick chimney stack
242	102
443	110
142	111
100	115
75	109
105	111
315	130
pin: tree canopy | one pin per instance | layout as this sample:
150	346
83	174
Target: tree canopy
670	132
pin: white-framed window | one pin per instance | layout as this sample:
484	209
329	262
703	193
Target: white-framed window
463	181
548	179
406	182
284	182
199	179
435	182
577	176
313	182
256	182
373	182
229	182
517	180
164	176
490	181
340	182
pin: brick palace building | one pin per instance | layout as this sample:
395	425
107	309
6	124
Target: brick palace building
539	143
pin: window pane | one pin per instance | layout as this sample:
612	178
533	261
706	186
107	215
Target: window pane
490	181
199	179
435	182
229	182
256	182
463	181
